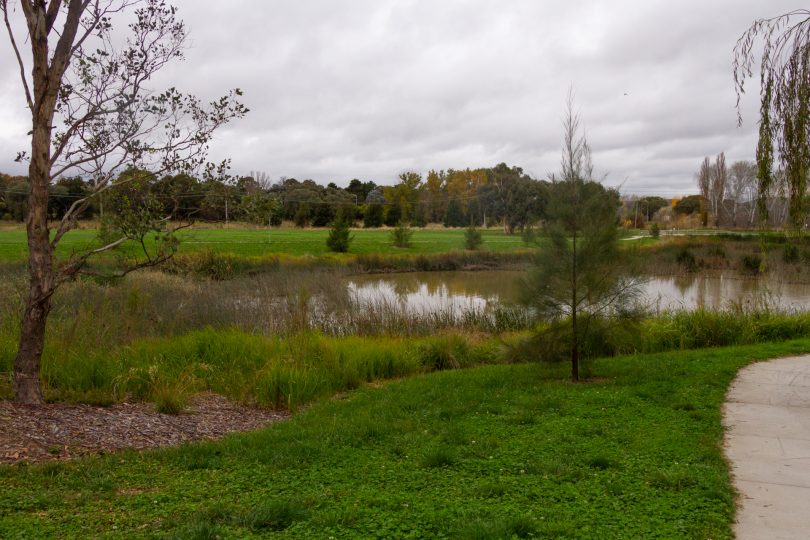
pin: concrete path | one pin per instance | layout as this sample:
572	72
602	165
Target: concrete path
767	418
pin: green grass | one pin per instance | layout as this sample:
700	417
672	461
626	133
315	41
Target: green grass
509	451
260	242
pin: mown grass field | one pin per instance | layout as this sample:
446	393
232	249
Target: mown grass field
256	242
493	452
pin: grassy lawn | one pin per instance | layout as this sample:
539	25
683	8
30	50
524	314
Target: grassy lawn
492	452
254	242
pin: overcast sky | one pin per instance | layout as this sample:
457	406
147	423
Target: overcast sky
371	88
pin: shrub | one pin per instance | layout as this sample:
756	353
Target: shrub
472	238
401	235
339	237
655	230
597	337
751	264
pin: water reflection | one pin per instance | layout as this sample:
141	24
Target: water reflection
423	292
729	290
459	291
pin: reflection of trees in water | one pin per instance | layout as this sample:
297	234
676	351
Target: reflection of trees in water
336	303
683	282
492	285
728	291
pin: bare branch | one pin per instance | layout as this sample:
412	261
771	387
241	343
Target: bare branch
26	89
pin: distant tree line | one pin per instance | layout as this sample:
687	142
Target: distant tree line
501	195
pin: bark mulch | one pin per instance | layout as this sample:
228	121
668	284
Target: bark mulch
61	431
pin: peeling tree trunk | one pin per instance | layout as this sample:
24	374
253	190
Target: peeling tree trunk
40	266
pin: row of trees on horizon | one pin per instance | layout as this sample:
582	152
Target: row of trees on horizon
502	195
499	195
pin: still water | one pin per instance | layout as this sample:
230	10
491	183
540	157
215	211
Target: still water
460	291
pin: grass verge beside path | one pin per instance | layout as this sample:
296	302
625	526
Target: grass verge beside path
492	452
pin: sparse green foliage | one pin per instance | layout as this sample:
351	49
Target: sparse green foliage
401	235
261	208
752	264
655	230
784	124
472	238
581	272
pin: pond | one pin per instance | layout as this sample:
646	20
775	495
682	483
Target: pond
421	292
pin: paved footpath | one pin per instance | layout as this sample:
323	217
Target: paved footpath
767	418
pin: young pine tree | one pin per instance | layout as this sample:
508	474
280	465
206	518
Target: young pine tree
339	237
472	238
578	281
401	235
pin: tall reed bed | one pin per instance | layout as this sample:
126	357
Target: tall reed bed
89	314
668	331
703	328
267	372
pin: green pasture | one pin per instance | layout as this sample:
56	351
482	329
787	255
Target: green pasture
257	242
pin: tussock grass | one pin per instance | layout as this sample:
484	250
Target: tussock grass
279	373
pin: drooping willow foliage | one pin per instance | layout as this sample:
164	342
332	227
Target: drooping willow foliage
785	103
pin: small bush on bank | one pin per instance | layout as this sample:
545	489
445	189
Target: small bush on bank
401	235
339	237
472	238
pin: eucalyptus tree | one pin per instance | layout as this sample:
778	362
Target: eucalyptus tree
92	114
780	46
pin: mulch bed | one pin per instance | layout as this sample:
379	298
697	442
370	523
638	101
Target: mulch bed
61	431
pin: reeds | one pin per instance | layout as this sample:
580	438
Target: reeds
279	373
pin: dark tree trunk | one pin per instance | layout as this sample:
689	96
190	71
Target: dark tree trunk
40	257
27	387
38	304
40	267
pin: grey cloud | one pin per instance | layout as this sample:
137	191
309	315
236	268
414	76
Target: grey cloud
369	88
